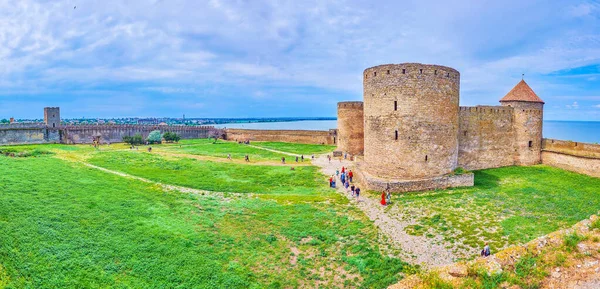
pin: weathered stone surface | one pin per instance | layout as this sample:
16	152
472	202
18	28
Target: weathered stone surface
578	157
350	127
458	270
411	120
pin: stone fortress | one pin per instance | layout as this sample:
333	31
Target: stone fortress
410	133
51	131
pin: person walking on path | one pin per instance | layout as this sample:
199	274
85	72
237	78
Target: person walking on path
247	158
330	181
486	250
337	173
313	157
357	192
296	158
343	170
352	189
383	202
350	175
343	178
388	195
283	160
346	185
329	158
229	156
302	157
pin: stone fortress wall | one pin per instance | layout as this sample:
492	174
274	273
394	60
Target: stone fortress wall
416	135
350	127
583	158
486	137
52	132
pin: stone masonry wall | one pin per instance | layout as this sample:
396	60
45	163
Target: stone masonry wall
115	133
528	121
411	120
295	136
18	134
486	137
583	158
350	127
40	133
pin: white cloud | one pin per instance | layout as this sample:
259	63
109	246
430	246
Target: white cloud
574	105
181	45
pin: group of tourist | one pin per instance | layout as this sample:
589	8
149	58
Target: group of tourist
301	158
345	177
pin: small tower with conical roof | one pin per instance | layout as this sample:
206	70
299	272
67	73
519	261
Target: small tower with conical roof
528	118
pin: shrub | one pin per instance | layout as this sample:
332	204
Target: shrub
571	241
155	137
595	225
171	137
134	140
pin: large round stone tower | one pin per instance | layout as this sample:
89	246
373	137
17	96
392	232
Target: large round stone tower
350	127
411	120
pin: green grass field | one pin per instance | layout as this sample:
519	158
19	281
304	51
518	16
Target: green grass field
507	206
65	225
206	147
302	149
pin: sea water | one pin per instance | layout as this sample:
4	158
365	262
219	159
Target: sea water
580	131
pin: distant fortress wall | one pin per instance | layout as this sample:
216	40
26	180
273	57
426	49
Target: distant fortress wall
583	158
295	136
76	134
15	134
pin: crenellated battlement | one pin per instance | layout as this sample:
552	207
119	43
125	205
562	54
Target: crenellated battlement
350	104
410	70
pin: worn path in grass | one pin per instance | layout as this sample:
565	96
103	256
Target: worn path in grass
274	151
235	161
421	250
163	186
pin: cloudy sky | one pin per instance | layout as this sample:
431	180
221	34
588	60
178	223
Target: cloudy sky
219	58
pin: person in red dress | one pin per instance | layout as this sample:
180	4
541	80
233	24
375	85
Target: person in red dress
383	199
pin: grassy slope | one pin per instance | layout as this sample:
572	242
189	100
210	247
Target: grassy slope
67	226
215	176
507	206
305	149
206	147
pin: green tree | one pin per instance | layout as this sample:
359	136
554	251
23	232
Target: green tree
155	137
134	140
171	137
4	120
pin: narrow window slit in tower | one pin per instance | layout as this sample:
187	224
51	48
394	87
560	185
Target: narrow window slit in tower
403	71
396	136
395	105
435	72
388	72
375	73
421	71
465	133
530	143
425	157
447	74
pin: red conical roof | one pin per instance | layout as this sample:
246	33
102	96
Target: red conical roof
522	92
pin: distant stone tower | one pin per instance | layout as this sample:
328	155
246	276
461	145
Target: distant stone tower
528	119
411	120
350	127
52	116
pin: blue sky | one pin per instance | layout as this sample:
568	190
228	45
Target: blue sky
220	58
